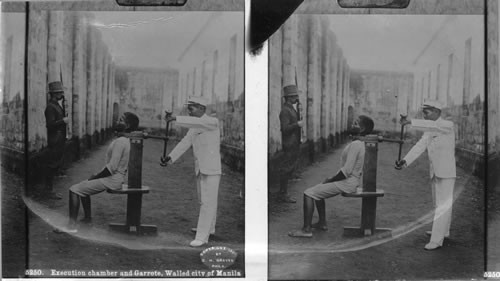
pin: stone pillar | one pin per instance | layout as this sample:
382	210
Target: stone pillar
91	82
204	80
54	47
36	92
333	87
105	91
346	94
99	73
313	81
467	72
215	65
289	52
448	80
493	29
325	82
340	78
438	84
79	76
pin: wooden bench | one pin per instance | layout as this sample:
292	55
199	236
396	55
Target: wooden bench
368	213
134	205
364	194
126	190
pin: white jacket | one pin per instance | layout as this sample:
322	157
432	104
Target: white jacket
439	140
204	136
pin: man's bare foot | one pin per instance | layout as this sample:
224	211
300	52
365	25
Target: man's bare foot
319	226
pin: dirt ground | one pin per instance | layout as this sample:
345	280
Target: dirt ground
172	206
406	208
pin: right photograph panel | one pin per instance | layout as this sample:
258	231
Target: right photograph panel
376	147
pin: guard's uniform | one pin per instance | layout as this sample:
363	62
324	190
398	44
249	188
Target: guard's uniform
439	141
56	138
204	136
290	139
117	156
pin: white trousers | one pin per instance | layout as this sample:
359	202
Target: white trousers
442	191
208	189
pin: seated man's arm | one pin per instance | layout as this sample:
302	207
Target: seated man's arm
102	174
352	157
116	155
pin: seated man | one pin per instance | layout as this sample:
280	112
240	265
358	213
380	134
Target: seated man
347	180
111	176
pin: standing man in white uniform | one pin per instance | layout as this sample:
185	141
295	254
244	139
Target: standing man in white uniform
204	136
439	141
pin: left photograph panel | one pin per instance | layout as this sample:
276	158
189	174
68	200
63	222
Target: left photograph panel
122	140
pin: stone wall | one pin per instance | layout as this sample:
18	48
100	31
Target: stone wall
382	95
304	51
455	76
146	92
493	29
12	92
60	45
214	69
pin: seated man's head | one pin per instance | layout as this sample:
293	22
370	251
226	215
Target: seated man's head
362	126
431	110
197	106
129	122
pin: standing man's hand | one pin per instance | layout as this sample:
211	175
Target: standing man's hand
400	164
164	161
300	123
404	122
65	119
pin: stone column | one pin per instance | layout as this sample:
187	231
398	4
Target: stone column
333	87
340	89
313	80
325	82
91	82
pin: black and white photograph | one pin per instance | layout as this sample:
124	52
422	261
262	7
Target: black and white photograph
123	140
376	144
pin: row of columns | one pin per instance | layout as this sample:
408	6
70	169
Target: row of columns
63	45
312	59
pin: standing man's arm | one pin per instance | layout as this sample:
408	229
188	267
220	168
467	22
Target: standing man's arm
417	149
197	123
287	126
182	146
51	118
443	126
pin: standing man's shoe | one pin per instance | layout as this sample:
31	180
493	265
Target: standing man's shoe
197	243
432	246
194	230
429	233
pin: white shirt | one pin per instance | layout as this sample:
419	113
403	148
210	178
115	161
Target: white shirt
439	141
204	136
